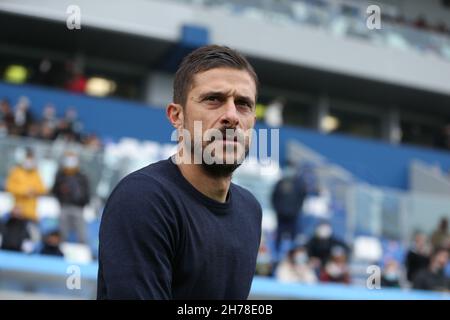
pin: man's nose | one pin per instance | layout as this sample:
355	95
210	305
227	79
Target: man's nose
230	116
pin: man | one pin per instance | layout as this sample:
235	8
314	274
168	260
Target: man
71	188
287	199
16	234
51	244
23	117
323	242
418	256
433	277
179	229
440	235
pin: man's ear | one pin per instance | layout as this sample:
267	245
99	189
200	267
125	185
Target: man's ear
174	113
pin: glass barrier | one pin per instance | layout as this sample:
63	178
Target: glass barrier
393	214
358	207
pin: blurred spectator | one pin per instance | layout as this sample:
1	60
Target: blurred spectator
320	246
3	130
47	132
64	132
92	142
49	123
34	131
71	188
442	139
25	184
71	116
15	234
6	115
296	267
433	277
51	244
22	117
264	260
336	268
69	128
287	200
440	234
49	118
418	256
77	83
421	22
391	274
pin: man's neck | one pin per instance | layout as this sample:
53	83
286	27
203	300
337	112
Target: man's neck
213	187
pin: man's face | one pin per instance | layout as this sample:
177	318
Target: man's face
222	99
442	259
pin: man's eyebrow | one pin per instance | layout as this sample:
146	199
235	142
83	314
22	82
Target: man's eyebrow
213	93
226	94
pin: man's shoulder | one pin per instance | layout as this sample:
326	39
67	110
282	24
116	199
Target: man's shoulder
140	193
147	181
153	172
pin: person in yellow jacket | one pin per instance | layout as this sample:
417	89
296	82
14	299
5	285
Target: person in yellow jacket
25	184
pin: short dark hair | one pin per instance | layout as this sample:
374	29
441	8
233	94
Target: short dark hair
203	59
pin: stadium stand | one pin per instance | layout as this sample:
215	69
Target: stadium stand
365	133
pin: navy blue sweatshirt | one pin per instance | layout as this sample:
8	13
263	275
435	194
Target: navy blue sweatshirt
160	238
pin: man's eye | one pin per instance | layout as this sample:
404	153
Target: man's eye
212	99
244	104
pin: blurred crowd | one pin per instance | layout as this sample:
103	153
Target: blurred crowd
324	257
420	23
20	230
321	257
20	121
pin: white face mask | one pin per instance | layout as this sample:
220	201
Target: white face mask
324	232
29	164
334	270
70	162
